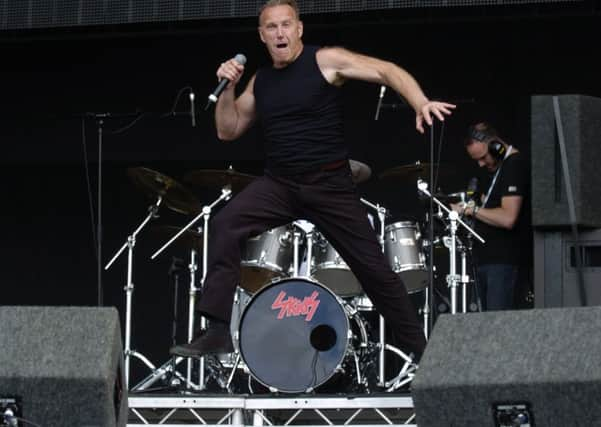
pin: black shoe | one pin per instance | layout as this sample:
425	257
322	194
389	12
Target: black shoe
211	341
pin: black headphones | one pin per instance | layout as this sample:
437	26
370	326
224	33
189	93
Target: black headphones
495	147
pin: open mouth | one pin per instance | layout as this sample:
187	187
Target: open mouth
281	45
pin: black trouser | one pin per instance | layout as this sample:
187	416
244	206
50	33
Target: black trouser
329	200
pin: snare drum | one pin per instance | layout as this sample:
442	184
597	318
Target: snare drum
329	268
403	248
266	257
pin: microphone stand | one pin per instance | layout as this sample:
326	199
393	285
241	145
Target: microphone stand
100	119
429	294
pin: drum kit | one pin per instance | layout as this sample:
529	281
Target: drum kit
283	344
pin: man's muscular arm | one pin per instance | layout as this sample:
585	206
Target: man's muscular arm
338	64
234	116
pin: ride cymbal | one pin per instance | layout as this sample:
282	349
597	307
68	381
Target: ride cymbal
215	178
413	171
175	196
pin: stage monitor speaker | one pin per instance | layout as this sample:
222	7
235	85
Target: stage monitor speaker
63	365
582	132
526	368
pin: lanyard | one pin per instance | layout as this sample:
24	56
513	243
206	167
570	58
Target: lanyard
492	184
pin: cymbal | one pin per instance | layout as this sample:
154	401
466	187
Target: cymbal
215	178
413	171
175	196
360	171
190	239
450	198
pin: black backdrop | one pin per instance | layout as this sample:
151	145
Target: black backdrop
490	66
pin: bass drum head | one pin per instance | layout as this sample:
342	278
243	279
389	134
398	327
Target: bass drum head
293	335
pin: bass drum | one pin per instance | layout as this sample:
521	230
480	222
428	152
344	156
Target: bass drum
293	335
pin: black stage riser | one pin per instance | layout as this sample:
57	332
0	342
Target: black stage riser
545	359
64	364
582	132
556	282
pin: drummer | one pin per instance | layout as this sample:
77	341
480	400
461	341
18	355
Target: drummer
298	103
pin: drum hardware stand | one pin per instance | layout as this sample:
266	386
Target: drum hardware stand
382	325
174	271
308	228
129	289
227	384
351	313
233	371
309	238
226	194
468	250
382	213
406	373
169	367
192	267
464	278
426	310
452	278
296	261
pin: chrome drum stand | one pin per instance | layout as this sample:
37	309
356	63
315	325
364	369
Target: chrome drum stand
454	279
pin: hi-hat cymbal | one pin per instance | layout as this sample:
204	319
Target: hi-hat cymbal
215	178
413	171
189	239
360	171
175	196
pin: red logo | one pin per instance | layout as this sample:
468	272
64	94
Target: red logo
294	307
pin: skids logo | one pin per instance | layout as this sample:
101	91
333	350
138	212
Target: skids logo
294	307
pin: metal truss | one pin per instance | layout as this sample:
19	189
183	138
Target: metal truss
245	410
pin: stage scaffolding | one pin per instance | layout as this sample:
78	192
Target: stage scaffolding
246	410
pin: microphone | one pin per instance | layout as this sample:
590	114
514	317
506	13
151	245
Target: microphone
382	91
192	109
240	59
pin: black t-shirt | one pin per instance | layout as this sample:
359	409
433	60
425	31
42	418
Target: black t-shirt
506	246
301	115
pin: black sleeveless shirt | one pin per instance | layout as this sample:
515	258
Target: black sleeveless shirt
301	116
